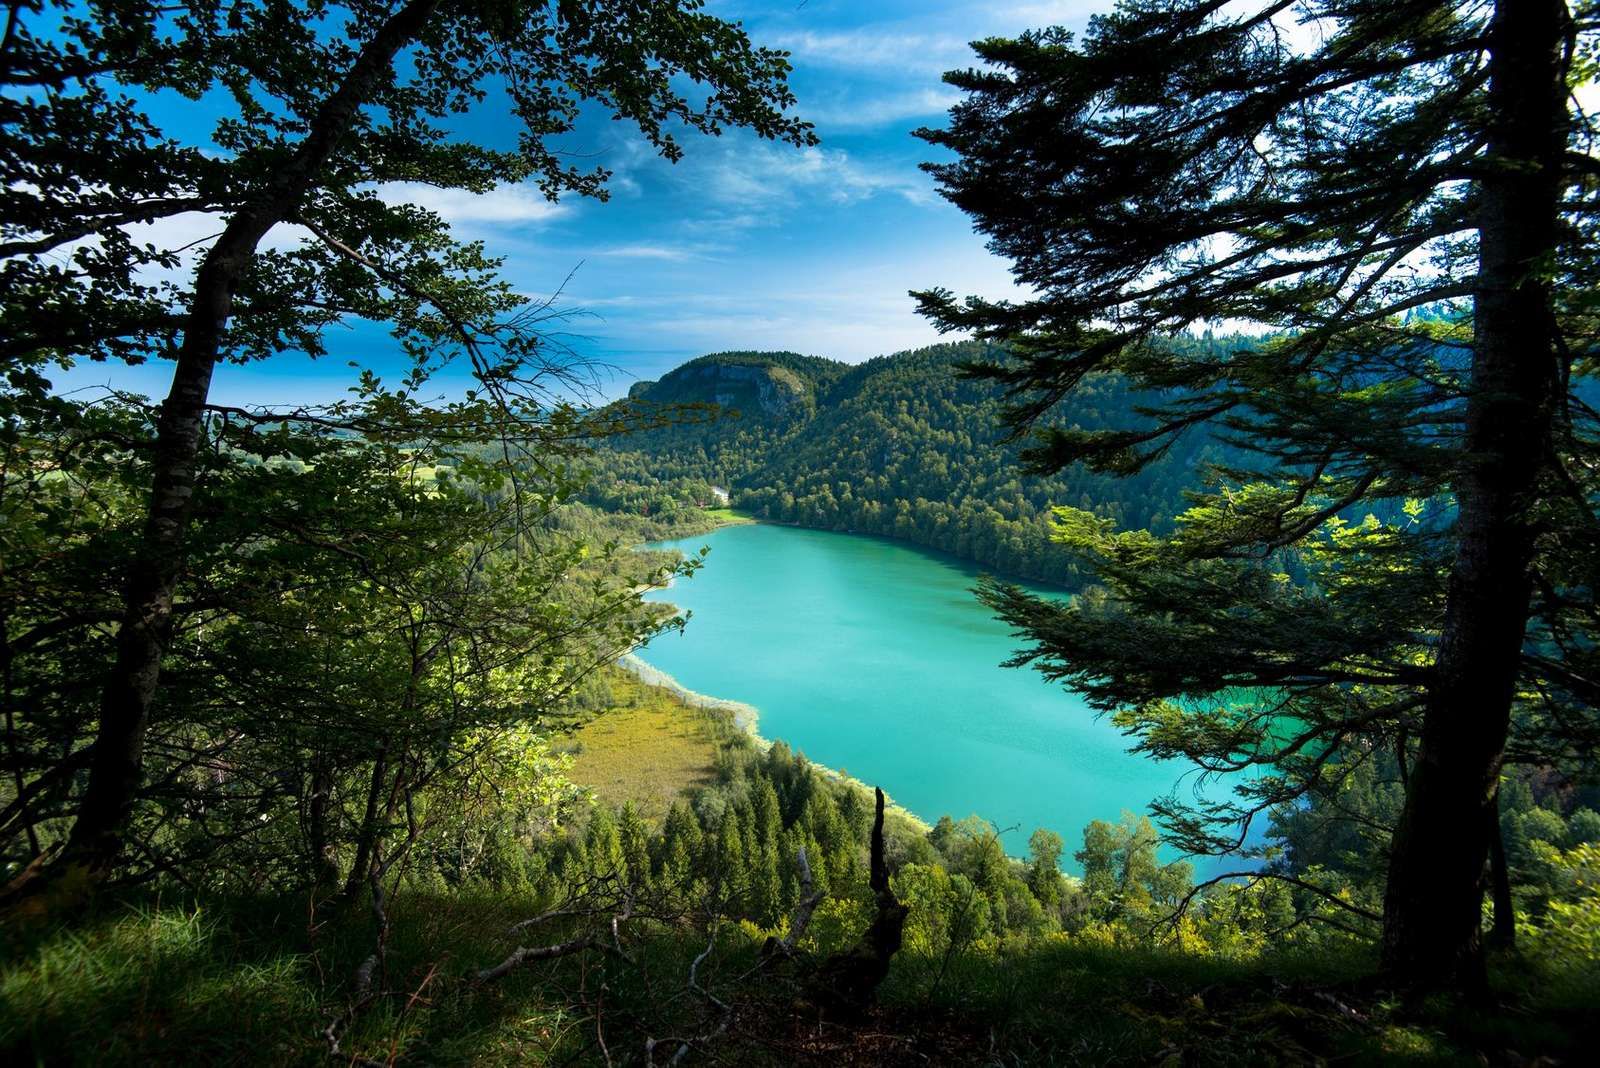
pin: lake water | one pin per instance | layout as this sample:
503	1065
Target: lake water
874	658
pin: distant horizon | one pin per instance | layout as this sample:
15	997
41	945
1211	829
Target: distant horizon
612	383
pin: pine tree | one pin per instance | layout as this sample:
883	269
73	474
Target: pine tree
677	864
1403	190
726	863
767	887
572	860
791	842
634	838
603	845
836	848
1044	867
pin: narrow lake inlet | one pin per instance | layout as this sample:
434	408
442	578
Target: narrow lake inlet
874	658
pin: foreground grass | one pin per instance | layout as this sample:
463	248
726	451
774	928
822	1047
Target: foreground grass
252	981
650	748
1061	1002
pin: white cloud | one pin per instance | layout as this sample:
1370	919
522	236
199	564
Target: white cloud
622	301
188	235
673	253
517	205
849	312
193	232
876	47
834	323
903	47
756	178
626	157
1587	97
1050	12
868	112
189	229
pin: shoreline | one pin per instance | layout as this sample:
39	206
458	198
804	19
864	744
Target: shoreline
965	562
746	720
745	716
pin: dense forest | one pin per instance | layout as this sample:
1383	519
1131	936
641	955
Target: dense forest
900	446
322	743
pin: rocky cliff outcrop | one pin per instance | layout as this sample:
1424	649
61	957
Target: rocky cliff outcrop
749	385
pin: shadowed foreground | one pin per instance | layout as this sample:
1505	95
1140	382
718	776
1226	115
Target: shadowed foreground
249	981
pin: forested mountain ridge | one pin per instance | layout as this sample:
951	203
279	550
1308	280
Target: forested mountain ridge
900	445
769	384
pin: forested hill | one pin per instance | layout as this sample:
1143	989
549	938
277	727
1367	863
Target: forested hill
900	445
763	384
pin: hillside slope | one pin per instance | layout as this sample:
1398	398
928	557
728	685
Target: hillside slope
901	446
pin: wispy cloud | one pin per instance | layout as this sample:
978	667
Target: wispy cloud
866	111
1048	12
620	301
827	323
851	312
672	253
905	48
877	47
517	205
755	178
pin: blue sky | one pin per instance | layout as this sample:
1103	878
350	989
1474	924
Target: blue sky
741	245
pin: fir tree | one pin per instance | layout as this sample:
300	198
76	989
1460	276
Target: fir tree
1044	867
1404	191
767	889
678	857
603	845
726	863
634	838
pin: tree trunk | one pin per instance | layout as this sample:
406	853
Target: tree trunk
324	868
117	769
367	834
367	837
1434	898
1503	935
12	753
848	982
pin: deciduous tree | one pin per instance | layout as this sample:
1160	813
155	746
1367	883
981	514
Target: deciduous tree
321	104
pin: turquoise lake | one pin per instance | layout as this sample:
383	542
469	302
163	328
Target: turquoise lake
874	658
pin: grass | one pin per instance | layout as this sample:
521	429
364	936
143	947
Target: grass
128	985
251	981
1066	1002
728	516
649	748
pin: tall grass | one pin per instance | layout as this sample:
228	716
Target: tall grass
147	979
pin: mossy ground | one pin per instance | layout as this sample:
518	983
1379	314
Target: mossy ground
649	748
